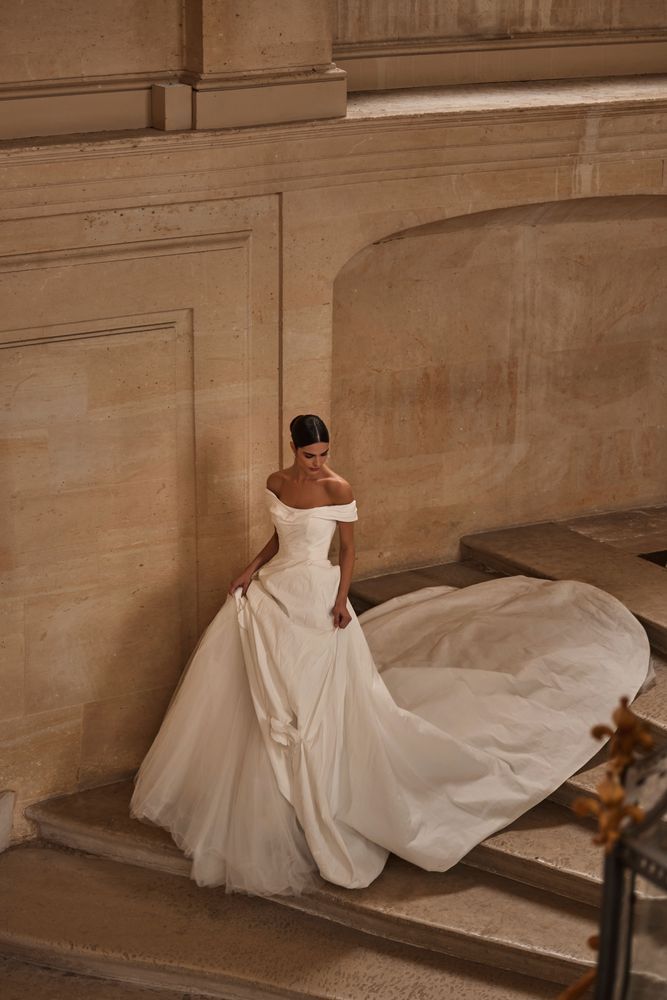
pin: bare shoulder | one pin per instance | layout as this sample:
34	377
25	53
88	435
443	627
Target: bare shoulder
339	490
275	482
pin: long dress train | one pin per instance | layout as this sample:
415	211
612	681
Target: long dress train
291	748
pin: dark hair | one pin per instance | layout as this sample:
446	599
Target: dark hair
308	429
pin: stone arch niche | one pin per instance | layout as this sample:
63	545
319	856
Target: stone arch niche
501	368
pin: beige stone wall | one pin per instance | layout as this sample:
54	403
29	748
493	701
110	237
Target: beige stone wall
73	39
169	301
387	44
72	66
501	369
69	66
382	20
263	35
63	39
139	371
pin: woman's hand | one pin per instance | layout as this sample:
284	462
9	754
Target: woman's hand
242	581
341	616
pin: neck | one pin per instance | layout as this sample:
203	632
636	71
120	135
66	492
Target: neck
300	477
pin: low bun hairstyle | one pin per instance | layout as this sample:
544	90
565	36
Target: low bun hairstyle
307	429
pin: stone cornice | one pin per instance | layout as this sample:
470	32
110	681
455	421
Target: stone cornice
383	136
86	85
419	107
523	40
419	62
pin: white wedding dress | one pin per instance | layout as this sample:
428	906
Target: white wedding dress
292	748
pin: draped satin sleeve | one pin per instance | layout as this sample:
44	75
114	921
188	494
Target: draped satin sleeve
339	512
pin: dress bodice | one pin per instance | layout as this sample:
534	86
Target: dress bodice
305	534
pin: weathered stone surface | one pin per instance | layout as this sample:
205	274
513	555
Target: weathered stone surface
60	39
39	757
117	732
471	427
558	553
374	590
137	925
548	848
21	980
633	531
12	657
7	800
392	19
129	508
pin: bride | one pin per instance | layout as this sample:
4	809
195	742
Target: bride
302	741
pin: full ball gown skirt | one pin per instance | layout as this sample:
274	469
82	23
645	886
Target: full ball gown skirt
292	749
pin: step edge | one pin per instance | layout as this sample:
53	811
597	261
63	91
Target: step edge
540	962
101	845
573	885
583	885
512	957
137	973
505	864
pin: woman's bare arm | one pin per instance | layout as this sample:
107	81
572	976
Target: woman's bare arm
267	553
341	492
346	556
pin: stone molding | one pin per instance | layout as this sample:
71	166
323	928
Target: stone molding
61	107
196	243
232	100
518	125
432	62
224	101
122	103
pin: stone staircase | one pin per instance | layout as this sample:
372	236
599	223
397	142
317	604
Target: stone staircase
106	899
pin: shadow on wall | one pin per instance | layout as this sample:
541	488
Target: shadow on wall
502	368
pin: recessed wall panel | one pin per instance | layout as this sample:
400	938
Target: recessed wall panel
139	381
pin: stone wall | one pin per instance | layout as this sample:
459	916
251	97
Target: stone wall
169	301
70	66
65	39
140	376
383	44
385	20
500	369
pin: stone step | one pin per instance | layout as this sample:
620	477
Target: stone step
375	590
476	934
22	981
641	530
651	705
548	847
584	782
98	822
471	914
556	552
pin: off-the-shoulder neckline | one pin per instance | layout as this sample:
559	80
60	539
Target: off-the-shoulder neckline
319	507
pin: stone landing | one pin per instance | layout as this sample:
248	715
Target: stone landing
561	551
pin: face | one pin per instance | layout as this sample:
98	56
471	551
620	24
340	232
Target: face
311	458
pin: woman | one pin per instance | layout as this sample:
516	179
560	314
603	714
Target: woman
303	741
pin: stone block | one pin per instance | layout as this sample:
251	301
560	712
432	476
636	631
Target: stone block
7	801
39	754
171	106
117	732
